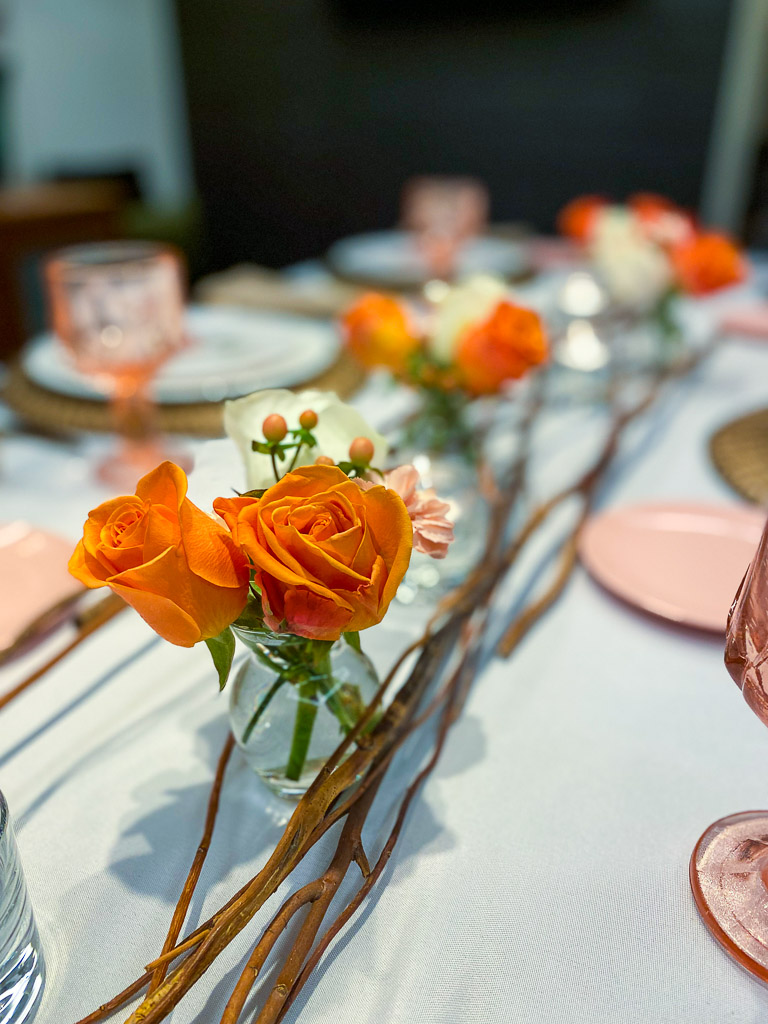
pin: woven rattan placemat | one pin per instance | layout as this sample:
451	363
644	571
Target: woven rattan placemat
56	413
739	451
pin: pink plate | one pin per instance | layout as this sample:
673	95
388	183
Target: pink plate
683	562
34	577
750	320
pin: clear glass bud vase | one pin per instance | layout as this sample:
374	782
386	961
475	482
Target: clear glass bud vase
293	701
454	478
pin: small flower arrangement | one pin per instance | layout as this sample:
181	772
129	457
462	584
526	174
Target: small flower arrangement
469	342
313	555
649	250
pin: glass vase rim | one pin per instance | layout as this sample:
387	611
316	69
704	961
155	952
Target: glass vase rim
265	633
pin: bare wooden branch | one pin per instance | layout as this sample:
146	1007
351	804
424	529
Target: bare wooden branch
308	894
91	619
187	892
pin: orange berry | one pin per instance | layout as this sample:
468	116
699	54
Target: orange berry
361	451
308	419
324	460
274	428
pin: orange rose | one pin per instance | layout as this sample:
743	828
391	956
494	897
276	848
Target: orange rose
576	220
504	347
328	555
378	332
707	262
176	566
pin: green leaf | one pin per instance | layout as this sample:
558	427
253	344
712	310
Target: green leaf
269	448
353	639
222	648
304	437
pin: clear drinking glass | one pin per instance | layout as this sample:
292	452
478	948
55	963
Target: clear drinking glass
118	307
22	971
444	213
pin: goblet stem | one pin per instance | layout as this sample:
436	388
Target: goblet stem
133	411
441	253
140	446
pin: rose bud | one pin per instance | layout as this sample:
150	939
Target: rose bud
274	428
361	451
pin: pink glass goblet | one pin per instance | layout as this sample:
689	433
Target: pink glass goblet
118	307
443	214
729	865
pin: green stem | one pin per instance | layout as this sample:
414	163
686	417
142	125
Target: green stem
665	314
306	711
295	457
343	705
282	678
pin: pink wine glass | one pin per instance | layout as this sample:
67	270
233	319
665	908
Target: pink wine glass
443	214
118	307
729	866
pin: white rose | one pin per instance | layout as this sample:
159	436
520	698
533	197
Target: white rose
337	425
467	303
635	270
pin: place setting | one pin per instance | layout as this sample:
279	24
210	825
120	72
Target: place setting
70	377
444	233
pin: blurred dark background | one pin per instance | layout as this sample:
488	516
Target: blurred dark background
307	116
264	130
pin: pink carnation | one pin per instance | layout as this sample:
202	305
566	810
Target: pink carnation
432	530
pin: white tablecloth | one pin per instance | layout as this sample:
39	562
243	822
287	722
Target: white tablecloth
542	874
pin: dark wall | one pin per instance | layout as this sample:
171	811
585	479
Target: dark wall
307	115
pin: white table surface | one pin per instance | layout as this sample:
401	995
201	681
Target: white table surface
542	873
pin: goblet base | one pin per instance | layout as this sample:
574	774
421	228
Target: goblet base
123	468
729	880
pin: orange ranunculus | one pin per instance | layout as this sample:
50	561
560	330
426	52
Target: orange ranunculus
576	220
328	555
503	347
707	262
175	565
378	332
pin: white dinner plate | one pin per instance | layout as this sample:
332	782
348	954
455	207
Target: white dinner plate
232	352
391	259
682	562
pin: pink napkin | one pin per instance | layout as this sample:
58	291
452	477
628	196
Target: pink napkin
33	571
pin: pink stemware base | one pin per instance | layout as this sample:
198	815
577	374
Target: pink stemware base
729	880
